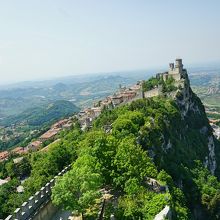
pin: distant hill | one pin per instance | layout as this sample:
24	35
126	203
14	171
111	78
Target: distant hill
15	101
38	116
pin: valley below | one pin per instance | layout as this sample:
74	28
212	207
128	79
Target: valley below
206	84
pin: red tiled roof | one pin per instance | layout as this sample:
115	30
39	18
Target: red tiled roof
49	134
4	154
18	150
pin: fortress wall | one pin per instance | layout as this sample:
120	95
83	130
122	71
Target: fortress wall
164	214
152	93
33	208
176	76
46	211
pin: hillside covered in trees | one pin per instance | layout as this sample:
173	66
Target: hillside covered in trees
164	139
167	139
22	128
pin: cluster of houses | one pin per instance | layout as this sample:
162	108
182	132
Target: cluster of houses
50	134
37	144
123	96
18	151
34	146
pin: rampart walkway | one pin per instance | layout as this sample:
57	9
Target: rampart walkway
33	208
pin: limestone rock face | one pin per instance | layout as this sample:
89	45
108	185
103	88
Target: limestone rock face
211	161
190	106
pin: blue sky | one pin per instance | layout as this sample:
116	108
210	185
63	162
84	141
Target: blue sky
45	39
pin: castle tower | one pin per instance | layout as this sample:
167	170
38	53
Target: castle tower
179	65
171	66
174	71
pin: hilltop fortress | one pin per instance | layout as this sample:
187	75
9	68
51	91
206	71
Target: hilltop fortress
126	95
175	71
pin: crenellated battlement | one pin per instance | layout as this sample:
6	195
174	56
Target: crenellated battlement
31	207
175	71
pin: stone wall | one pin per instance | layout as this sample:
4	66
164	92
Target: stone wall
32	208
47	211
152	92
164	214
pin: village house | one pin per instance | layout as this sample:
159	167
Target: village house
50	134
106	103
2	182
86	116
116	99
33	146
136	87
59	124
4	155
89	113
67	125
19	150
128	95
97	111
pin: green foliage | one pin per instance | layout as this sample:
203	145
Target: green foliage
165	178
209	187
46	165
131	162
139	203
169	85
106	118
151	83
156	204
8	198
103	147
178	204
84	180
123	127
15	170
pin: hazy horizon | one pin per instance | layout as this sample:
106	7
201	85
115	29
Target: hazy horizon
50	39
150	71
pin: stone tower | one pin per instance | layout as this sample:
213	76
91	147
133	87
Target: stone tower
176	72
179	65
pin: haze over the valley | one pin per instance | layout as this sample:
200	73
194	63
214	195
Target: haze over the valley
47	39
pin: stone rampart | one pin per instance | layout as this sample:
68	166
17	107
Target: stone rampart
164	214
152	93
31	208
